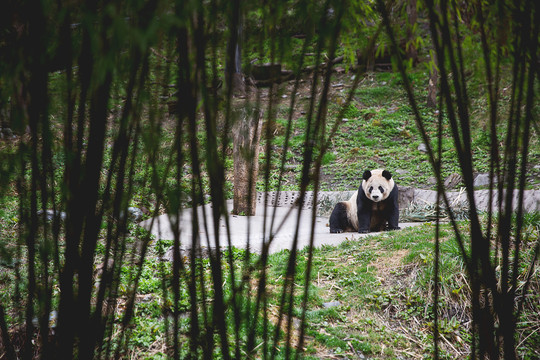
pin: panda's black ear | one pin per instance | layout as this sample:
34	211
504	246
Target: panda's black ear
386	174
367	175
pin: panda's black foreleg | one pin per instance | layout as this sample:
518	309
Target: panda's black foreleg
338	219
363	210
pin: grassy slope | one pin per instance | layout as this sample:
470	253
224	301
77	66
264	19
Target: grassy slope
383	284
379	131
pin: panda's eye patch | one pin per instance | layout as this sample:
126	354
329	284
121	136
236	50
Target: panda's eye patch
370	189
381	189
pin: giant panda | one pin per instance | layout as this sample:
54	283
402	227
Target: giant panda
374	207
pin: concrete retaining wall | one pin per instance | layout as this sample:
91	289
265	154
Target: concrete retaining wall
407	195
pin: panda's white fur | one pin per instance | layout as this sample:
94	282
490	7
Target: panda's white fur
377	186
352	211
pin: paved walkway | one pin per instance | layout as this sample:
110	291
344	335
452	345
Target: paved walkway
255	229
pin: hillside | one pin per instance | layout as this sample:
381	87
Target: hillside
379	131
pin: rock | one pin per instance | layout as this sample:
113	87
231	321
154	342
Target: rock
134	214
531	198
405	196
482	180
331	304
401	171
452	181
422	147
422	196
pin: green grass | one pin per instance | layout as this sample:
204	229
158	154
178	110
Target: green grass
383	285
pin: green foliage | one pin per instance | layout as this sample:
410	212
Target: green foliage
352	112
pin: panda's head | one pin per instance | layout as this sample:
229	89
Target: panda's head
377	184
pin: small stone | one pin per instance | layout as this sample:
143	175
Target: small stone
401	171
331	304
134	214
344	119
422	147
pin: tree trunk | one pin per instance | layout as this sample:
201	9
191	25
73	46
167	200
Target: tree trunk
246	137
233	65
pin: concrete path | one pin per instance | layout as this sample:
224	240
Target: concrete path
255	229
